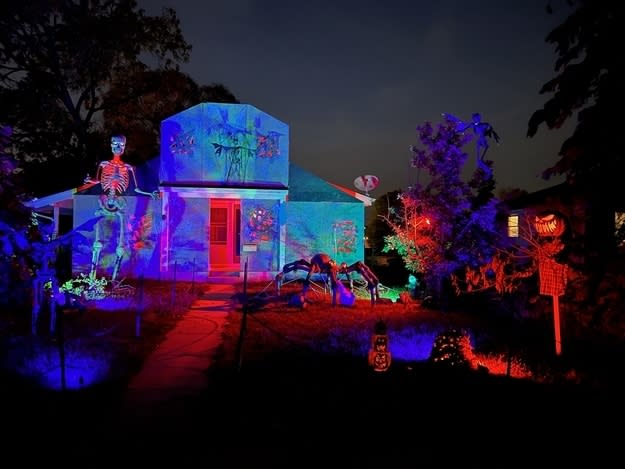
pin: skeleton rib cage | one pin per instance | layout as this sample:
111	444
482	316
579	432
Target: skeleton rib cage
115	178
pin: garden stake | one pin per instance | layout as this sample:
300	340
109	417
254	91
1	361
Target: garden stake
243	321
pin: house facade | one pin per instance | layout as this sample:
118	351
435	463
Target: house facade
230	201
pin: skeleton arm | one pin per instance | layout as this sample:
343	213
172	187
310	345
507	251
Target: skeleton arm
131	170
98	176
461	126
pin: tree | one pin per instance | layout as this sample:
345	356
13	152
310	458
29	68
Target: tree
164	93
58	61
9	180
589	81
378	229
590	71
14	222
446	223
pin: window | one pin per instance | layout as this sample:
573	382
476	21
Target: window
513	226
219	226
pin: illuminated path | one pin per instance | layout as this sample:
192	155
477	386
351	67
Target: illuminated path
177	370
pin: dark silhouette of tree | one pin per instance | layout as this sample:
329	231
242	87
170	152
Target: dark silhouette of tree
589	81
14	222
58	61
378	228
163	94
10	181
590	72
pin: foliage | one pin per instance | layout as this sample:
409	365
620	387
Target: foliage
14	222
58	61
589	78
378	229
452	348
84	286
162	93
445	223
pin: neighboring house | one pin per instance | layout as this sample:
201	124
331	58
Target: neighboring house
230	200
591	225
555	199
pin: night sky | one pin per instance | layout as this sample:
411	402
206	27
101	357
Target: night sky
353	79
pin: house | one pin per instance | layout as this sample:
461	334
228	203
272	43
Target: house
230	202
591	224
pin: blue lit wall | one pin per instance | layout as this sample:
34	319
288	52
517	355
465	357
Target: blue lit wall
213	143
335	228
186	250
142	227
224	151
260	227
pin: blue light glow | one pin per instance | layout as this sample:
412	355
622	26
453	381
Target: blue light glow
85	365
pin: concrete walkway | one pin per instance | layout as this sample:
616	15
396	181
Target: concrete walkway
176	370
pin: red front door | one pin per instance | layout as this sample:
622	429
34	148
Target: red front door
225	235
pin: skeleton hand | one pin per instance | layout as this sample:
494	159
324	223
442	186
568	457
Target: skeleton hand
155	195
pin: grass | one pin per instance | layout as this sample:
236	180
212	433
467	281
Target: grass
303	368
105	342
102	343
276	323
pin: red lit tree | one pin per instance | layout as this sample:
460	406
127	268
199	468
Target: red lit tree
445	223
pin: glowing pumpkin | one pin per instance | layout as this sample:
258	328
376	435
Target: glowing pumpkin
379	354
550	224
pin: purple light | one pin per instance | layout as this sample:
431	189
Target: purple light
85	365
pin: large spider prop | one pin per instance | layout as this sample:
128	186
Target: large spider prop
322	263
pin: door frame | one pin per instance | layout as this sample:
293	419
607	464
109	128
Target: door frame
232	250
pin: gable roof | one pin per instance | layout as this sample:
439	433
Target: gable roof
307	187
304	186
368	201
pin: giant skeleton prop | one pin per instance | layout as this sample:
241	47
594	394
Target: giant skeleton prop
115	177
323	264
482	130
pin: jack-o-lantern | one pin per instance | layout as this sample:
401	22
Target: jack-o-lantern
379	354
550	224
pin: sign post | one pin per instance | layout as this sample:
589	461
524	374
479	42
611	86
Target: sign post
552	274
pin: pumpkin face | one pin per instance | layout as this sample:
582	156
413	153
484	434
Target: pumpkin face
379	354
550	224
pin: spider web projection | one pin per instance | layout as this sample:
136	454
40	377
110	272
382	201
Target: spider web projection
224	143
182	143
261	227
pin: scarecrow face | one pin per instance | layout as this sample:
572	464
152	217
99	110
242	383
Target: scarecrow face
549	225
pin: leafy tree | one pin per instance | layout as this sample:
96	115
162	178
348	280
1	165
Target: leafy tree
9	179
446	223
590	72
58	61
163	94
589	81
14	222
378	228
